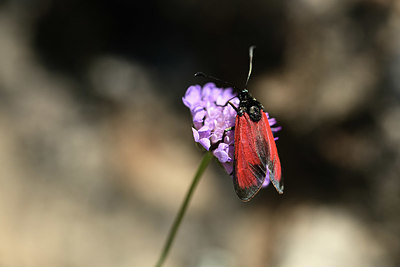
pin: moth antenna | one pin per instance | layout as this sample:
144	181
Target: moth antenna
251	49
202	74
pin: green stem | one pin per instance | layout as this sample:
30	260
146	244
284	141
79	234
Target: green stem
178	219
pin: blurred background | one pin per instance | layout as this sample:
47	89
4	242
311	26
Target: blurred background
96	148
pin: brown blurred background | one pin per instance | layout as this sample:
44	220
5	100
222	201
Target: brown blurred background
96	150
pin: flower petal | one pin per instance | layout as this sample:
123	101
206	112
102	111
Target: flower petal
221	153
272	121
226	96
204	132
192	96
205	142
266	182
196	135
199	116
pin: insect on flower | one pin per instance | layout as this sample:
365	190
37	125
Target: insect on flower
255	157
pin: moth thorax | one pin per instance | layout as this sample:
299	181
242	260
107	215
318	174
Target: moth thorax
244	95
254	113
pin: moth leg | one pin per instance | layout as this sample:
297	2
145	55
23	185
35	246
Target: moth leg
228	103
232	105
227	130
215	145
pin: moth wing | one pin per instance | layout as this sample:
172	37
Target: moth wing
273	162
250	158
255	157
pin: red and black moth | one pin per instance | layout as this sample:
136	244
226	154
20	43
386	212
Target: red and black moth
256	155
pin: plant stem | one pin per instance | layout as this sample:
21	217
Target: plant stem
178	219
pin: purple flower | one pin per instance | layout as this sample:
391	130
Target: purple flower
211	116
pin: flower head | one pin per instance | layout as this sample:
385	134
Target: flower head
211	117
